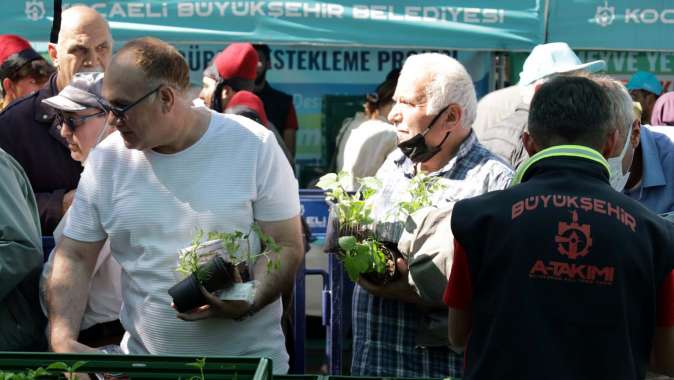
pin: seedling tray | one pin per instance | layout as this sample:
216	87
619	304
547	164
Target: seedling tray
144	366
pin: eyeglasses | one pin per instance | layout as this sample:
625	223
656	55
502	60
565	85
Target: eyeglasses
75	121
120	112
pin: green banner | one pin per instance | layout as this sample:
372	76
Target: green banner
448	24
612	24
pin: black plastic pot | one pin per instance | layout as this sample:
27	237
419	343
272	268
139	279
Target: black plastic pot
187	295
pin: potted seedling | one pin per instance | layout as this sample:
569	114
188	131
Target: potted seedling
216	265
420	189
361	253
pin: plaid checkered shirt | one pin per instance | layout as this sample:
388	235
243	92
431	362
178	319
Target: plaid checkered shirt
385	331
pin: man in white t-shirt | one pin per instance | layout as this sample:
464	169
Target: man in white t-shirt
170	170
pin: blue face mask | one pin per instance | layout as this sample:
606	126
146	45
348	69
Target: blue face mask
416	148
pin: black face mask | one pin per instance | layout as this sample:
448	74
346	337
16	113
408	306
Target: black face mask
416	149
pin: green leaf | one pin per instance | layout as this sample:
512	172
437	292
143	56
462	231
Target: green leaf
58	365
328	181
347	243
77	365
345	180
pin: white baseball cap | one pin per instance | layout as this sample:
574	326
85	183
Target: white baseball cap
554	58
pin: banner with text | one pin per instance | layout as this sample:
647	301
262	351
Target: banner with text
612	24
309	73
449	24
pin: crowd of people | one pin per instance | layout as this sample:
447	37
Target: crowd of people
557	262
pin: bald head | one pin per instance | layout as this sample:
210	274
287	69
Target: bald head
81	19
84	43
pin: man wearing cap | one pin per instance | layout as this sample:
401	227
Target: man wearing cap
82	119
560	276
22	69
21	322
278	104
232	70
644	88
503	136
28	130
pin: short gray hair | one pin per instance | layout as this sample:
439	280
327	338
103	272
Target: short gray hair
449	83
622	111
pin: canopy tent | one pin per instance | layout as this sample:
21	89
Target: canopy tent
449	24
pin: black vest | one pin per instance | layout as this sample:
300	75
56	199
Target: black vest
276	106
565	273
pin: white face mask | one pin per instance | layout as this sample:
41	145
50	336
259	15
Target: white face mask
618	178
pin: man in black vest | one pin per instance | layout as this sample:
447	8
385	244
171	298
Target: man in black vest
561	276
28	129
277	104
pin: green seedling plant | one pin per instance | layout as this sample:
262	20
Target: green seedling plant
29	374
361	252
352	211
61	366
361	257
421	187
190	261
200	364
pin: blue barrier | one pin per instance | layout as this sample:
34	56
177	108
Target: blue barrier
337	289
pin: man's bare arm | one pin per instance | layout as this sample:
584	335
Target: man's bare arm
663	351
68	291
287	234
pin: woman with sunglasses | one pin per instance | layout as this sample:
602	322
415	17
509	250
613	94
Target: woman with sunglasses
82	122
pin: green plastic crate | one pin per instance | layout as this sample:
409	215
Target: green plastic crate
380	378
299	377
145	366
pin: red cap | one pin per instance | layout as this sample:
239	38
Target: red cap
249	100
238	60
15	51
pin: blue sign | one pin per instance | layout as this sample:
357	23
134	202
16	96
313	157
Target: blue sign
315	211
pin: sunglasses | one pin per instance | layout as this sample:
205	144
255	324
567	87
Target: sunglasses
119	113
75	121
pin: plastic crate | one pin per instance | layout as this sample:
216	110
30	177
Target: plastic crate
145	366
380	378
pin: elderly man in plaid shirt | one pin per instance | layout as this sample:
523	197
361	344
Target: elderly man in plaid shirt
434	110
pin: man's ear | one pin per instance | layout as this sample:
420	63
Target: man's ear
53	53
612	141
167	98
453	117
7	86
529	144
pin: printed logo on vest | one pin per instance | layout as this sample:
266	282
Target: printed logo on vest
573	239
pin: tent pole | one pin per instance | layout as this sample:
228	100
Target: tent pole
56	24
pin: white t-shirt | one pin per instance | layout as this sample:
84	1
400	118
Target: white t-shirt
150	204
366	149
